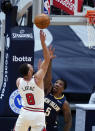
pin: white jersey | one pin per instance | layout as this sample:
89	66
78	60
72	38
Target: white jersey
32	113
32	96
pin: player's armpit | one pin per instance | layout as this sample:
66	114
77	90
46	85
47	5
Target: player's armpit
39	77
40	74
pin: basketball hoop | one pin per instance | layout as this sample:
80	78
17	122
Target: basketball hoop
91	16
91	28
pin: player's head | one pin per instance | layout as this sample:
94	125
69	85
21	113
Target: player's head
59	86
26	70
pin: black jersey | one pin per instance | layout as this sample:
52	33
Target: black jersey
52	107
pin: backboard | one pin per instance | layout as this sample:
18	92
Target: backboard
69	12
64	12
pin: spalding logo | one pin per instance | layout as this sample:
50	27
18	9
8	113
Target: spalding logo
22	31
15	102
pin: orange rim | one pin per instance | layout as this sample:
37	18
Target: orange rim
90	13
91	16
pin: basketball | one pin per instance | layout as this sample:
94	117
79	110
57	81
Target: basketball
42	21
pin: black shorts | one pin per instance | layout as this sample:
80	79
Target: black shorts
51	128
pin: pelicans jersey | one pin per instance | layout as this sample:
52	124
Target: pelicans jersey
32	113
52	107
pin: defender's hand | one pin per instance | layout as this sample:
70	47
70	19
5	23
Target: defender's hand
51	51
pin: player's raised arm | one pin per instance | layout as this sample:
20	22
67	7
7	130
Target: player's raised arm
48	76
43	67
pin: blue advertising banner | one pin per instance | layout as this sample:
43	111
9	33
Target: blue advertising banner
18	50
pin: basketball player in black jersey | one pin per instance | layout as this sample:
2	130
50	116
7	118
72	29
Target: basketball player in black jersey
55	100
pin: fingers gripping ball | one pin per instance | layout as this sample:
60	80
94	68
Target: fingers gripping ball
42	21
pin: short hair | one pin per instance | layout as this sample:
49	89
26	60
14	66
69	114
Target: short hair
23	69
65	82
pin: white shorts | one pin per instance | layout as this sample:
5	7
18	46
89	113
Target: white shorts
26	119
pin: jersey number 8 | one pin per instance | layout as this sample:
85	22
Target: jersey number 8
30	98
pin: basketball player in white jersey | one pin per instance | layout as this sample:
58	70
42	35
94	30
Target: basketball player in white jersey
31	90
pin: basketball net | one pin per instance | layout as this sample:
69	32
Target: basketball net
91	28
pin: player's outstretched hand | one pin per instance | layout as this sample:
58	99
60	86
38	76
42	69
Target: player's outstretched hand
51	51
42	36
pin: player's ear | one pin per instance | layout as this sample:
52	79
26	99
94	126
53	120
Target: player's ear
29	72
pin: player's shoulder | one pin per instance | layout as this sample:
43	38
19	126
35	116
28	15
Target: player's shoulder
66	105
18	81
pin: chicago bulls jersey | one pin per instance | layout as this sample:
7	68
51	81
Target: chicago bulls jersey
32	96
